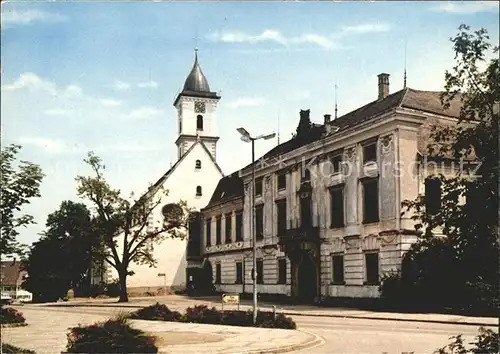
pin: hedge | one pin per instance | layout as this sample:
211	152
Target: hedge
206	315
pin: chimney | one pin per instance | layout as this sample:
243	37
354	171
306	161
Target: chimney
304	122
327	118
383	86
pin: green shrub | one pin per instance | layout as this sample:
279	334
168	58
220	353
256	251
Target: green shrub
113	289
206	315
156	312
9	315
11	349
112	336
202	314
487	342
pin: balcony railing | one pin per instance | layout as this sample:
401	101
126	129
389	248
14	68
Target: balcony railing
300	234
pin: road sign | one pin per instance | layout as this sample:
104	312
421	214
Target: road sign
230	299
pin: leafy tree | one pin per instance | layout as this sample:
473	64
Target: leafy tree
19	185
69	241
124	226
467	258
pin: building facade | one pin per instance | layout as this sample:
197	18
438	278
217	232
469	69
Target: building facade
11	279
192	179
328	202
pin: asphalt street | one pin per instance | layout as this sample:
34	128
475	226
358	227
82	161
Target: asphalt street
348	335
345	335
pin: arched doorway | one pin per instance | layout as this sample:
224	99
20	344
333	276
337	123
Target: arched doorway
307	279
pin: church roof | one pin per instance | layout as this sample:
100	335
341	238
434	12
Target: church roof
196	80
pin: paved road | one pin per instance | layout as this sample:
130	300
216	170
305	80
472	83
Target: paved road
341	335
344	335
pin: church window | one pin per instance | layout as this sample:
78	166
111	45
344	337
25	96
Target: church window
198	191
199	122
198	164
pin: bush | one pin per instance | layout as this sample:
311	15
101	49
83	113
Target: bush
156	312
112	336
11	349
206	315
96	290
10	315
113	288
487	342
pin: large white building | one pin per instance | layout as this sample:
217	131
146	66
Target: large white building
192	178
328	202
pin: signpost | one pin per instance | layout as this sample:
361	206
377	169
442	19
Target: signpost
164	281
231	299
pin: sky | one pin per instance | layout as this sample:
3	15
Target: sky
103	76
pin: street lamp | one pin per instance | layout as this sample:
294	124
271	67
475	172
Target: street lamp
247	138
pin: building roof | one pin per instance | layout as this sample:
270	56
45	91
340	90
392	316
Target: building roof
11	272
196	80
423	101
229	187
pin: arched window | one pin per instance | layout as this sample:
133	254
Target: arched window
198	164
199	122
198	191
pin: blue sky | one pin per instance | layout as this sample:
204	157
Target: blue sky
103	76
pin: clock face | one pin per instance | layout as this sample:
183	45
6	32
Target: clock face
199	107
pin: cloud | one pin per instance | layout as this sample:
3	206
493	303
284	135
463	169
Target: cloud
143	113
273	36
149	84
50	145
365	28
32	81
121	85
467	8
323	41
58	112
12	17
110	102
247	102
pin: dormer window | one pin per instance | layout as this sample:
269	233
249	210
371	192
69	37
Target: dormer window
198	164
199	122
198	191
370	152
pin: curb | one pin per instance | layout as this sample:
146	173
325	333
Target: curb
13	325
292	313
391	319
313	342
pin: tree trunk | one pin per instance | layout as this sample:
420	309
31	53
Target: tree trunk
123	286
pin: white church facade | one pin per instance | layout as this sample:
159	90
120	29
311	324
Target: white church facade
192	179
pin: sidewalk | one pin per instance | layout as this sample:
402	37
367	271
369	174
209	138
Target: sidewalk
46	333
180	303
229	339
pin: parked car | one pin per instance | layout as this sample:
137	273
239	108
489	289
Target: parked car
6	299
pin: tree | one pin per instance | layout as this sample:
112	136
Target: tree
124	226
19	185
470	228
62	258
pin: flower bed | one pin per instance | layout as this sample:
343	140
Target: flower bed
204	314
10	316
111	336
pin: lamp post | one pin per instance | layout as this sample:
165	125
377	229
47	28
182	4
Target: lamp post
246	137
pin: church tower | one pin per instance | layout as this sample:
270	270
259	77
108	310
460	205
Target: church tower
196	112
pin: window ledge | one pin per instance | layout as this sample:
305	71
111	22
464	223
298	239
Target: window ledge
337	283
337	226
367	222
